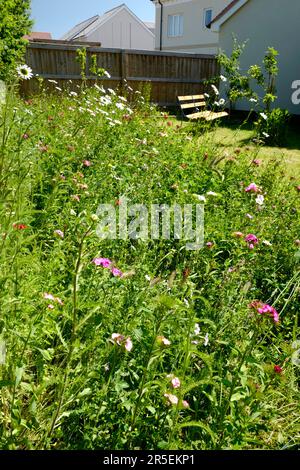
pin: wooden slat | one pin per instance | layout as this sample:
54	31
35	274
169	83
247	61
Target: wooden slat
207	115
199	104
191	97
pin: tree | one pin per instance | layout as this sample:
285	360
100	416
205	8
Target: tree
14	24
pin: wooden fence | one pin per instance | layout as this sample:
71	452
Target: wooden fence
170	74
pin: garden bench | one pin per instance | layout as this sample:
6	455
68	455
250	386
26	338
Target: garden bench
190	106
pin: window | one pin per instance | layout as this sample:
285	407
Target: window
207	17
175	25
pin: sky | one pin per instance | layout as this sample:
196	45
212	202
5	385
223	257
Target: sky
58	16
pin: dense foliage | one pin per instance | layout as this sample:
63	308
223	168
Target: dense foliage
141	344
14	24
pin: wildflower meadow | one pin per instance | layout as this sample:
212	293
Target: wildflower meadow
141	343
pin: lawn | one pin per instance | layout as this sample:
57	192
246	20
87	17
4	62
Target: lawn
138	342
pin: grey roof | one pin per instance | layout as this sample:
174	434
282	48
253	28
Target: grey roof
85	27
79	28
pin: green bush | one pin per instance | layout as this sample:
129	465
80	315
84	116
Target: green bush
272	126
14	24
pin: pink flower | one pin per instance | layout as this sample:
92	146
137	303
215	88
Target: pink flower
87	163
298	188
128	344
278	369
116	272
175	382
59	233
263	309
104	262
120	340
48	296
256	162
252	188
251	240
209	244
172	399
25	136
185	404
75	197
58	300
50	306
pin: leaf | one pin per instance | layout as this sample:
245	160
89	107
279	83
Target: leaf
237	396
151	409
199	383
19	373
198	424
46	353
2	351
85	392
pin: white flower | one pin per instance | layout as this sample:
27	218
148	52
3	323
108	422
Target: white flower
73	93
221	102
186	302
260	200
264	116
211	193
253	100
53	81
147	277
120	106
200	197
206	95
206	340
197	329
215	89
107	74
224	79
112	92
265	135
122	98
24	72
58	88
267	243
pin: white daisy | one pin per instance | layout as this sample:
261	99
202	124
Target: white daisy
224	79
215	89
107	74
264	116
24	72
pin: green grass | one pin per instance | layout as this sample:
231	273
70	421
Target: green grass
68	376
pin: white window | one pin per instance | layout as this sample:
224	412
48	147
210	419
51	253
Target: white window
207	17
175	25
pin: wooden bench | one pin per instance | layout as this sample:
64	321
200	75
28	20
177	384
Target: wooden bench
190	106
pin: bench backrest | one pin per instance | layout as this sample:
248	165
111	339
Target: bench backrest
191	103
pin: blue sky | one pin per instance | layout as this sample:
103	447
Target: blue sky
58	16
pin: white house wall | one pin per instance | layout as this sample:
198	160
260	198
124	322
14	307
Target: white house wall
123	31
196	37
268	23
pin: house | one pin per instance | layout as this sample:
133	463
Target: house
117	28
36	35
182	25
263	24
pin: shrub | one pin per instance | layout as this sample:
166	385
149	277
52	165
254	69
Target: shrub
14	24
272	126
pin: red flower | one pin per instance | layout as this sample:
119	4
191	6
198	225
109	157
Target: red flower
19	226
278	369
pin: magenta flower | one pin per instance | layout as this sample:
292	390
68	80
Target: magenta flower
251	240
104	262
116	272
252	188
278	369
265	309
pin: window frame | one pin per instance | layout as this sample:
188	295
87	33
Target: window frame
205	10
171	31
